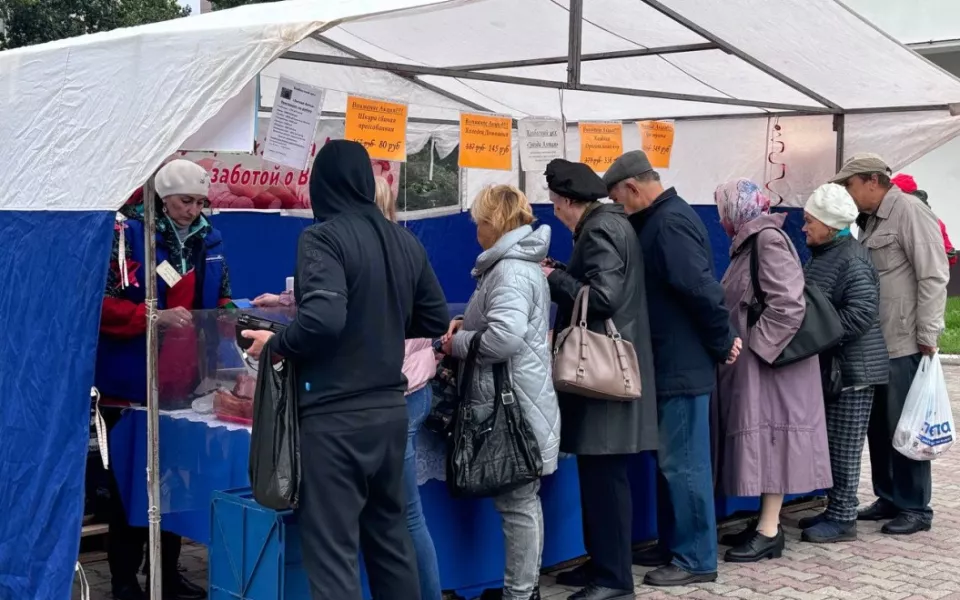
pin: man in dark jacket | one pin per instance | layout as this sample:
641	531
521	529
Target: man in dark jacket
603	433
691	334
363	284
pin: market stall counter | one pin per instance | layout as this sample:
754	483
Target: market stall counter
205	445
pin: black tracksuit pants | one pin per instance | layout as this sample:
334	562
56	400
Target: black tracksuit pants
352	498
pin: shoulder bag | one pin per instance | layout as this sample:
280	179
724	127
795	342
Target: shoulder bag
586	363
820	330
498	454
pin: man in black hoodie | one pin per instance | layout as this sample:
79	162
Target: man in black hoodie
363	285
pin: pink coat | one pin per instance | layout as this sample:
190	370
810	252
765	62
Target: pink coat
419	364
772	435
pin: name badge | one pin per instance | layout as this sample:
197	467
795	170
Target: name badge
168	274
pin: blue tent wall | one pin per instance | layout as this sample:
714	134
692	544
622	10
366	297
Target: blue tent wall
53	270
261	248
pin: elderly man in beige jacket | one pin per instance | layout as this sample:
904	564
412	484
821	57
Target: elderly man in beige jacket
906	247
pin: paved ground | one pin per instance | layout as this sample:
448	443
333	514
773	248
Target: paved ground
876	567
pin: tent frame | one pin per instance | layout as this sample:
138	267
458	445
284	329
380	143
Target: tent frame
574	60
481	72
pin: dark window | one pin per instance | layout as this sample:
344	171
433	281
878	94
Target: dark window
422	190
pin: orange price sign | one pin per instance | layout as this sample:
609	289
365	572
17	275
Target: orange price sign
600	144
656	139
486	142
380	126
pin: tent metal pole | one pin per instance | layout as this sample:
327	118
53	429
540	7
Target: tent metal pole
411	78
541	83
153	408
677	17
838	126
894	40
612	55
575	42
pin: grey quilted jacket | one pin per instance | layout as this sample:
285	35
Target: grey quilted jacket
511	308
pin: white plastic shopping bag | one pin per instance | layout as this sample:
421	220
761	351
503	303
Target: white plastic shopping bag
925	430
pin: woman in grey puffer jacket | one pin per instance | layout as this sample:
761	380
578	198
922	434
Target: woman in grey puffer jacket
841	268
511	309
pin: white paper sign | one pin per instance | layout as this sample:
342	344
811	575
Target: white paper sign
293	123
541	140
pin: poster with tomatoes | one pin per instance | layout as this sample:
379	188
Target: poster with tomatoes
247	182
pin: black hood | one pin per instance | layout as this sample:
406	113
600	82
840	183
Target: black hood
342	180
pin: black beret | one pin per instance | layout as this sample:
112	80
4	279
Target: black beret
575	181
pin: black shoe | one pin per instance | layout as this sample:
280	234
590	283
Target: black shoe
497	594
651	557
757	549
674	576
906	524
878	511
580	576
830	532
128	591
598	592
812	521
741	537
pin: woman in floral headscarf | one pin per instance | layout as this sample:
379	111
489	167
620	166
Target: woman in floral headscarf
772	431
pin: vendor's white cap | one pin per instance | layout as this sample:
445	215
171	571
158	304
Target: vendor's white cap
832	205
182	178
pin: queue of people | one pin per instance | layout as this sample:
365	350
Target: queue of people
711	403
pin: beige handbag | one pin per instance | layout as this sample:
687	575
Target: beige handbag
592	364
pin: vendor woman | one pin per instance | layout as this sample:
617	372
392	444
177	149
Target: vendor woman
191	275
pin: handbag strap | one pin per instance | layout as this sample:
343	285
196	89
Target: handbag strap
581	307
758	292
503	388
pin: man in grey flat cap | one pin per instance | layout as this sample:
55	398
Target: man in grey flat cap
906	247
691	334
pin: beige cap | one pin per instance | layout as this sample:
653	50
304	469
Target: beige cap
184	178
861	164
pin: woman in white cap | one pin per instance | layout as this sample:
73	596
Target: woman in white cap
191	275
841	268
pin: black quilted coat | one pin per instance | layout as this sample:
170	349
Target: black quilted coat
842	270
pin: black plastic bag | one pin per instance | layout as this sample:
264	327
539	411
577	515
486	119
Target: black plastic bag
498	454
275	441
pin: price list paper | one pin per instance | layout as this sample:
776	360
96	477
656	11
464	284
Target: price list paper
541	140
656	139
379	125
293	124
486	142
600	144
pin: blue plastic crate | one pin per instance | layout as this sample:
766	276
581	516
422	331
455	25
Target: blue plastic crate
254	551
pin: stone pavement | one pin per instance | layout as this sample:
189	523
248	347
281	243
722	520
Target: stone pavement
925	566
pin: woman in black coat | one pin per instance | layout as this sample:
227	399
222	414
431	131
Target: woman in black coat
842	269
607	257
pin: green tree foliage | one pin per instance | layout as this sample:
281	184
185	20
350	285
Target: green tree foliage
27	22
222	4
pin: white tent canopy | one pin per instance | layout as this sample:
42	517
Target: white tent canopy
88	119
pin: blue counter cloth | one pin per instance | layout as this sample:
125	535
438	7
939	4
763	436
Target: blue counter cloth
197	459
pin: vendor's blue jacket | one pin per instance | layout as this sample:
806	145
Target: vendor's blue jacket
121	371
689	324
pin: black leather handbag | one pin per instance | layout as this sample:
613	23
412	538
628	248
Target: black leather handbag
821	329
498	454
